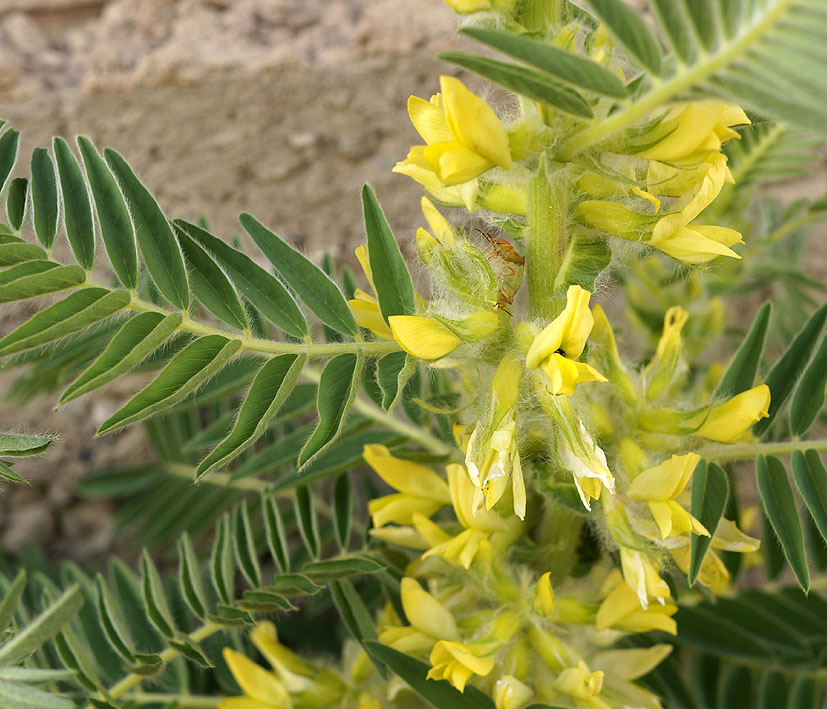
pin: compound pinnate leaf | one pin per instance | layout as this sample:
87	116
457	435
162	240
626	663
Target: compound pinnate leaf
337	389
75	312
113	215
133	342
269	390
310	283
779	504
190	368
155	238
77	211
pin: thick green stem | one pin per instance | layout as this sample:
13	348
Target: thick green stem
546	238
747	451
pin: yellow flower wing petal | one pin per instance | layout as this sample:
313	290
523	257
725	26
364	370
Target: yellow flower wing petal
256	682
690	245
426	613
729	421
631	663
664	481
405	475
423	337
454	163
429	120
368	315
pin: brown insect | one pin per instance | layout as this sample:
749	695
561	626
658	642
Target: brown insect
511	266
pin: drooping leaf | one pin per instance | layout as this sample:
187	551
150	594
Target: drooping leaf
189	576
16	202
77	211
741	372
438	693
22	282
392	373
342	510
44	197
112	621
259	286
569	67
221	561
630	28
808	399
313	286
337	389
784	374
305	506
779	503
159	248
276	536
210	286
525	82
709	497
269	390
394	288
133	342
192	366
155	600
75	312
243	543
113	216
810	477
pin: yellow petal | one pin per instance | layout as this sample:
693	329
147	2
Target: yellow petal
567	332
429	120
729	421
368	315
664	481
454	163
544	595
439	225
405	475
426	613
256	682
400	508
632	663
691	245
423	337
474	123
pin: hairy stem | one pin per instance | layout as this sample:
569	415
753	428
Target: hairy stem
747	451
546	240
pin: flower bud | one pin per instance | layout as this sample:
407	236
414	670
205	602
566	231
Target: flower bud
660	370
510	693
544	595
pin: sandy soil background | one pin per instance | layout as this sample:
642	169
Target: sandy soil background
283	108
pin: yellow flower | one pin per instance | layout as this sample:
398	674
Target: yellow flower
688	135
695	243
660	370
544	595
643	577
582	686
262	689
426	613
492	456
588	466
421	490
621	610
621	666
463	134
555	350
457	663
659	486
423	337
365	309
729	421
465	7
510	693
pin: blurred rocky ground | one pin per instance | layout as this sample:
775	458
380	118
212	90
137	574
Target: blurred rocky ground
283	108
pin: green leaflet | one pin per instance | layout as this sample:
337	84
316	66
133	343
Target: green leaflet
75	312
113	216
262	289
777	496
17	695
77	212
159	248
134	341
702	627
21	283
211	286
13	445
569	67
809	396
221	561
342	510
276	536
673	19
772	691
189	575
190	368
785	372
42	628
154	598
710	490
244	544
270	388
394	288
112	621
12	252
438	693
585	259
741	372
355	615
810	477
310	283
629	27
308	521
12	594
44	197
353	565
8	155
392	373
337	389
16	202
7	474
523	81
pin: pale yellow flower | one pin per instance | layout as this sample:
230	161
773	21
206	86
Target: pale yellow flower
510	693
421	490
581	685
262	689
544	595
661	368
463	134
555	350
457	663
588	465
621	609
643	577
659	486
729	421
